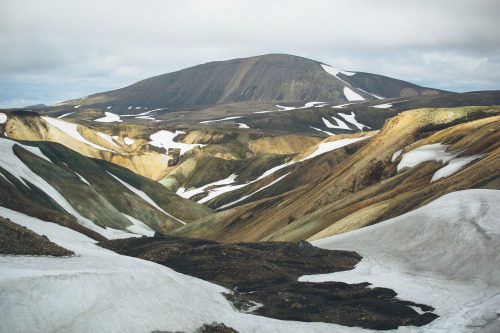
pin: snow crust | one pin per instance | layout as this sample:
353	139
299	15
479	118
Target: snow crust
71	130
3	118
436	152
109	117
98	290
144	196
165	139
445	254
351	95
329	146
341	124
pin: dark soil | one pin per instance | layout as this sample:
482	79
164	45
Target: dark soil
263	277
16	239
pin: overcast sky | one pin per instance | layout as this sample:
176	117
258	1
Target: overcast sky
52	50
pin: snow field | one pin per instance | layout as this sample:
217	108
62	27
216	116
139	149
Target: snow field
445	254
98	290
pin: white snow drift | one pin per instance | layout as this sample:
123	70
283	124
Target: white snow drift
445	254
109	117
165	139
436	152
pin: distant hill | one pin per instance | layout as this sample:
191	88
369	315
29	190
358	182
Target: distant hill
271	78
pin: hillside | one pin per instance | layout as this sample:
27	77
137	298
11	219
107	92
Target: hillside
361	183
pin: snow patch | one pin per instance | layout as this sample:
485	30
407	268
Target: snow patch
248	196
242	125
65	115
352	119
128	141
144	196
224	119
329	146
82	178
77	106
290	108
3	118
109	117
382	106
71	130
351	95
341	124
139	227
108	139
320	130
165	139
436	152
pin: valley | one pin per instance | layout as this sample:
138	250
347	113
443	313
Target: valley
228	172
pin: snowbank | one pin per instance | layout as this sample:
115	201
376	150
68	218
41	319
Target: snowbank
445	254
109	117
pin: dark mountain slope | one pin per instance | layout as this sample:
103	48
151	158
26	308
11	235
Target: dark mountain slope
274	77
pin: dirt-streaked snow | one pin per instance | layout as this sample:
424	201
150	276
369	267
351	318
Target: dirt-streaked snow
109	117
351	95
72	130
445	254
165	139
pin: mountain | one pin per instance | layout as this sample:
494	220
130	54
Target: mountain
274	78
53	183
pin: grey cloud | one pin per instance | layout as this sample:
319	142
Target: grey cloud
109	44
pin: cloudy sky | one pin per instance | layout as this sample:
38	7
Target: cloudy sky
55	50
